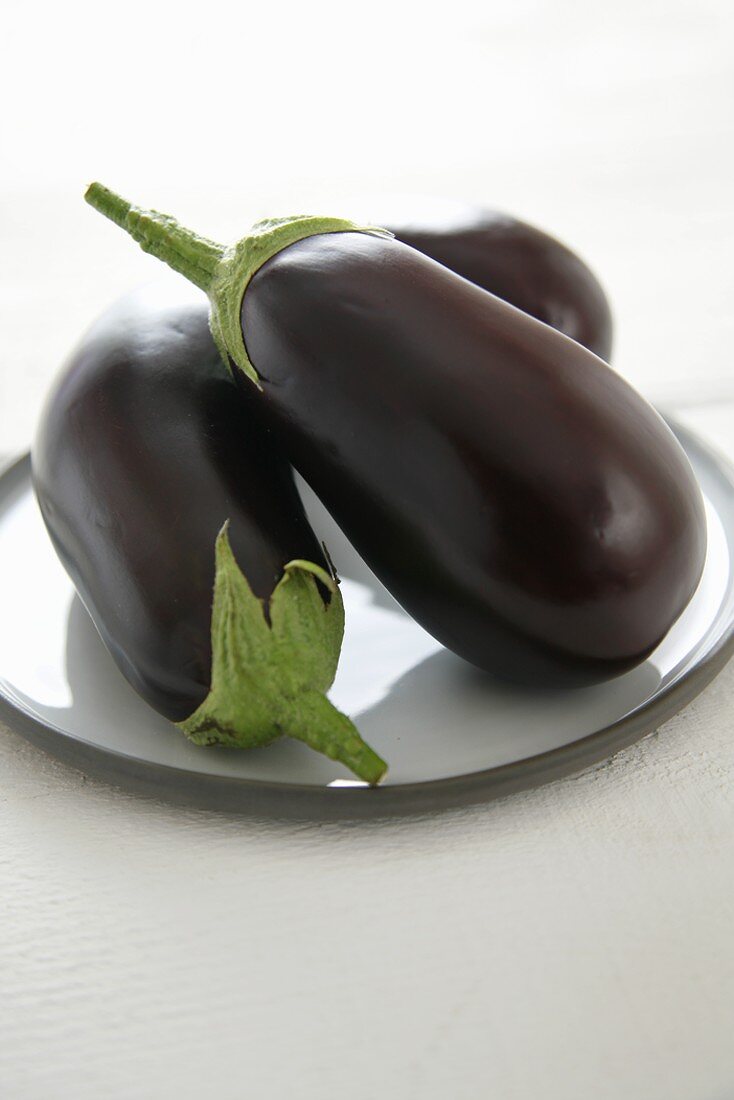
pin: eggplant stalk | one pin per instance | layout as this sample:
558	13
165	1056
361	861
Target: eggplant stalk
222	273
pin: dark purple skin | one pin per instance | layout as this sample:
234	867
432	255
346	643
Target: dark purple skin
514	494
143	452
520	264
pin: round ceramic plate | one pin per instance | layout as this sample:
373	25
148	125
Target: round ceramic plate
451	734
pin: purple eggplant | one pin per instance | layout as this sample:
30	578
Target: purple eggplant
180	525
516	261
515	495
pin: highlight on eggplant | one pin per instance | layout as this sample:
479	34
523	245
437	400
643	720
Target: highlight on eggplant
516	496
180	525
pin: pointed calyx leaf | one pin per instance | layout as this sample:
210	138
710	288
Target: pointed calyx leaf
270	678
224	273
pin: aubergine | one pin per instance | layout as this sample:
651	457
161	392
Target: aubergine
516	496
516	261
181	527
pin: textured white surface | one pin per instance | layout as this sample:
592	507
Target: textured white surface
573	942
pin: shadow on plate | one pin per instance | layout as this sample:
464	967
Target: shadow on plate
441	718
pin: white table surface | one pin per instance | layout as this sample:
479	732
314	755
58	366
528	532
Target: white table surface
571	942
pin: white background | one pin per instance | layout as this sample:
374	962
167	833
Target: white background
574	942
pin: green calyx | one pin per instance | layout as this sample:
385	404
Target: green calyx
224	273
270	674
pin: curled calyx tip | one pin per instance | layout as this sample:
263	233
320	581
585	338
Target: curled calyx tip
318	571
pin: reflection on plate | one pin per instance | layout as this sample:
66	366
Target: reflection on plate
450	733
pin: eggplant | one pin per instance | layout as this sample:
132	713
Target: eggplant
516	496
180	525
516	261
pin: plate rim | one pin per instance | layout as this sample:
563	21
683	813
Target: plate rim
270	798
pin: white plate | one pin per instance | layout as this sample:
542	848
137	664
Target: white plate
451	734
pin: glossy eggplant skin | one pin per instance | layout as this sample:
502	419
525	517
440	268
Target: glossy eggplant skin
143	452
514	494
519	263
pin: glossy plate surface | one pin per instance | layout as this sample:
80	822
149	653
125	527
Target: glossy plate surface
451	734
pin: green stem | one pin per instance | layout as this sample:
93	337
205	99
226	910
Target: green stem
223	273
162	236
322	727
